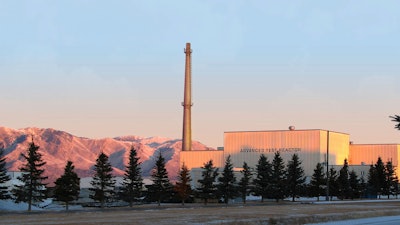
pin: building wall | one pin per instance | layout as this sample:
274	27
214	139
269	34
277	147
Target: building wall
197	158
338	147
360	170
368	154
310	145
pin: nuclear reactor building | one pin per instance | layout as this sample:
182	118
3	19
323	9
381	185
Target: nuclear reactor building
312	146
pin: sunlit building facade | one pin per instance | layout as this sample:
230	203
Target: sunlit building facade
314	146
367	154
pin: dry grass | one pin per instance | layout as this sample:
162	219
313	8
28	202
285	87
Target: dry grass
196	214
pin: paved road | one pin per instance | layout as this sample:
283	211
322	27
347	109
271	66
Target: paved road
387	220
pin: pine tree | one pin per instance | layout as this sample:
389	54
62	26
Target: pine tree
132	184
208	189
161	186
333	183
318	181
263	178
67	186
245	182
182	186
32	189
395	187
343	181
391	179
363	187
380	177
103	182
227	187
295	176
4	177
278	178
371	185
354	183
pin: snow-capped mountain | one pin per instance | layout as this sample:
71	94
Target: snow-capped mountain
57	147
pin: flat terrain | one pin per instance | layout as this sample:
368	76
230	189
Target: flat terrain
196	214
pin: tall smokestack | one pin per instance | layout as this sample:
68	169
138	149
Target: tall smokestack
187	102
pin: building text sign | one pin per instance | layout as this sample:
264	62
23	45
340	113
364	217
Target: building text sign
270	150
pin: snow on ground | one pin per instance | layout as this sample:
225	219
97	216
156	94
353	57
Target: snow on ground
355	201
10	205
48	204
313	200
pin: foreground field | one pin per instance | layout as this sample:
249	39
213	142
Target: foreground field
196	214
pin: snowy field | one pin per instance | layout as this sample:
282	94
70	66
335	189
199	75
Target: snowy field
196	214
45	206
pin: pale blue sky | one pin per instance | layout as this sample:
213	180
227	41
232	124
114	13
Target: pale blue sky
109	68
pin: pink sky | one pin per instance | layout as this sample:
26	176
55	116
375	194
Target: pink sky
96	69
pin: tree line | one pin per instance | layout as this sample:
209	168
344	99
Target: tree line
269	180
275	180
32	186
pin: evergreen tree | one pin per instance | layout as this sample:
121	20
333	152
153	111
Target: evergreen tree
182	186
333	183
278	178
161	186
354	183
391	179
262	182
67	186
208	187
380	177
32	189
4	177
318	181
103	182
371	185
396	119
395	187
343	181
295	176
227	182
132	184
245	182
363	187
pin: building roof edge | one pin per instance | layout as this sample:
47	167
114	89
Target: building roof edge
284	131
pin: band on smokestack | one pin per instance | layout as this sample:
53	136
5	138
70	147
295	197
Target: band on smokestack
187	102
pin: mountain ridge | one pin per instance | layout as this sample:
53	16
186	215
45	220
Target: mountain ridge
58	146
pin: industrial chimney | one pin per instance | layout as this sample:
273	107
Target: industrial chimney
187	102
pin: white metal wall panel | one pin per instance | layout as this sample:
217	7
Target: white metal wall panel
360	170
310	145
248	146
